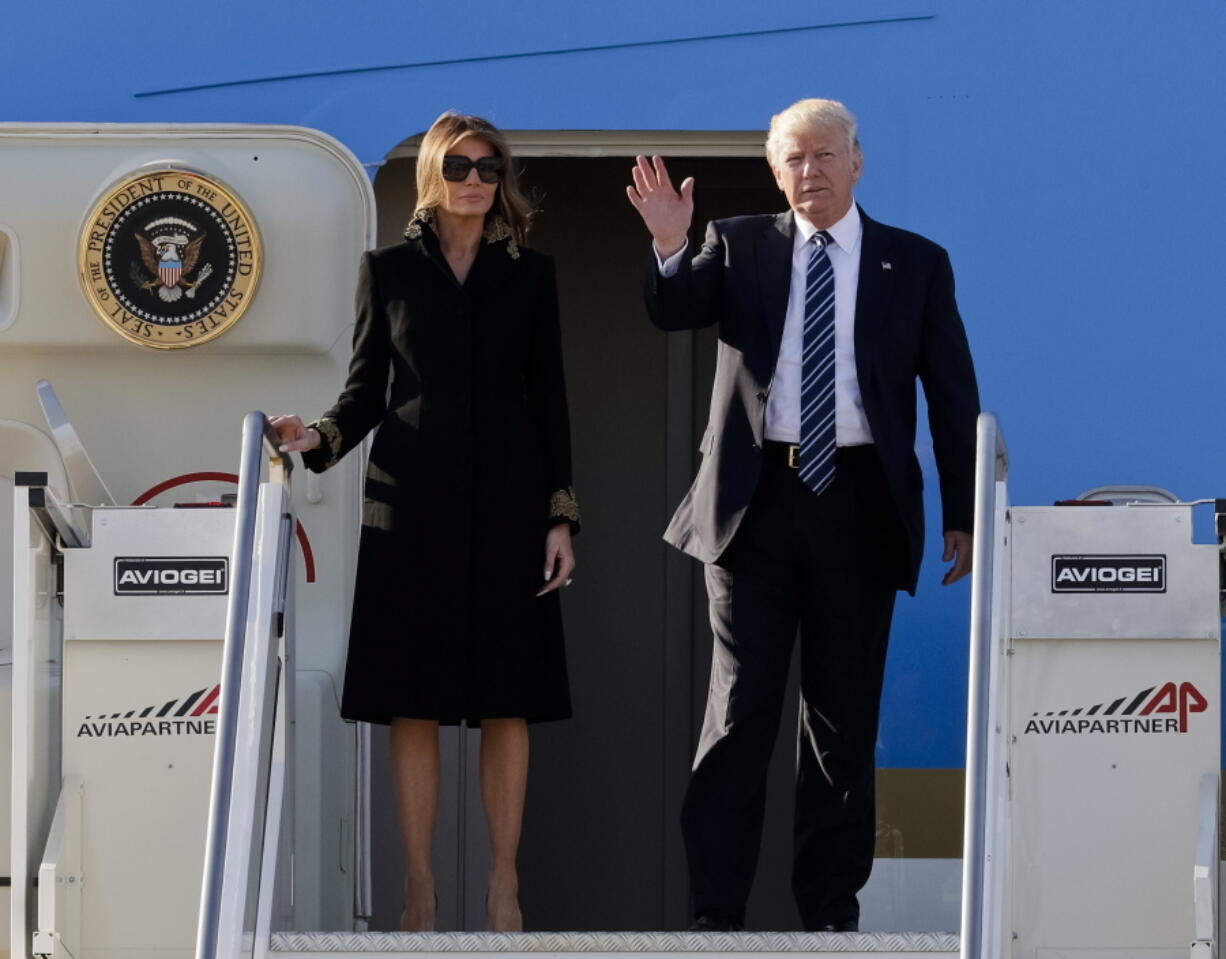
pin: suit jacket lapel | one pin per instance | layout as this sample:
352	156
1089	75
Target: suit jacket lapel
873	295
774	255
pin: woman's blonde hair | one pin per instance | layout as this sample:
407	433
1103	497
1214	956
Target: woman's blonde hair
510	202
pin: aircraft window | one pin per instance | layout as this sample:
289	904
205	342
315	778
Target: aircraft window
8	277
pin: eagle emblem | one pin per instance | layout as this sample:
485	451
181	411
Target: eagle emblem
170	252
169	258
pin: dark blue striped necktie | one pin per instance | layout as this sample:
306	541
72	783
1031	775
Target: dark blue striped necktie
817	438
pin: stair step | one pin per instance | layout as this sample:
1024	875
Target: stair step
848	945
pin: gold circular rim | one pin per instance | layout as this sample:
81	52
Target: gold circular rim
200	331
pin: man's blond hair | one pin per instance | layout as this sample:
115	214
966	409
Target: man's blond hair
811	114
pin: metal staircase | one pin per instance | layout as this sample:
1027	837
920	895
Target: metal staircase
1111	630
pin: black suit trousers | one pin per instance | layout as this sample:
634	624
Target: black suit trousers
824	567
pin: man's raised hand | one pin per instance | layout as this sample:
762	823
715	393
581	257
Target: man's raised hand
665	211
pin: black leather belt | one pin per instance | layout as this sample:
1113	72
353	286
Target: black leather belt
788	454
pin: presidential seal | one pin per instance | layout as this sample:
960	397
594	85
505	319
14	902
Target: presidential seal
169	258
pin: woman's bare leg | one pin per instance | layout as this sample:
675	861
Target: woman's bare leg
415	775
504	778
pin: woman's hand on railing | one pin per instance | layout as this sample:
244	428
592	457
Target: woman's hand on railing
295	436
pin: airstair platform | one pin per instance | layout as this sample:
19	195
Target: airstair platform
1075	607
847	945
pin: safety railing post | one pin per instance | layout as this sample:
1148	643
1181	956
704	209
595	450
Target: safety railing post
991	469
257	438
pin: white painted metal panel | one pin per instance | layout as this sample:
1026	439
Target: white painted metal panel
36	712
10	272
60	879
289	177
94	611
146	786
150	418
1187	608
1115	719
140	684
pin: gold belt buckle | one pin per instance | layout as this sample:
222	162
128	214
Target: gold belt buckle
794	455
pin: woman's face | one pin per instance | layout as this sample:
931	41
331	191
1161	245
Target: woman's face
471	196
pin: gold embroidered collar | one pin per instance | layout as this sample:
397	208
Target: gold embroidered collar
496	229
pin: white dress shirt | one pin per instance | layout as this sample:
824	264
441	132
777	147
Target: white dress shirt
783	401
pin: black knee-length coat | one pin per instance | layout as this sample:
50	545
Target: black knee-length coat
469	469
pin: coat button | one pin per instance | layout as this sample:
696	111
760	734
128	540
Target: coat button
761	396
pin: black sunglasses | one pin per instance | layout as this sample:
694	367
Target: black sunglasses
457	168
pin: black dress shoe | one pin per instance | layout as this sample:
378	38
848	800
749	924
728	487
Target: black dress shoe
843	925
716	920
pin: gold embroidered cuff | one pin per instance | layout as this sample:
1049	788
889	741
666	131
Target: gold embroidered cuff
377	515
562	505
330	433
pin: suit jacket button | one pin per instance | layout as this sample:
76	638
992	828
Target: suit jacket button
761	395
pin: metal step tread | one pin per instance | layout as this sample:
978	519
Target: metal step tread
876	943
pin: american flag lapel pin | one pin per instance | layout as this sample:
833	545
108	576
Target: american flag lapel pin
887	265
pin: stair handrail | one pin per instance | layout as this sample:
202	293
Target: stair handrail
991	469
258	437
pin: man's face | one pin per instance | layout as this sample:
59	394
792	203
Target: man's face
817	169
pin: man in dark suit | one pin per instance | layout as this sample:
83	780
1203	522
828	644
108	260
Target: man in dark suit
807	507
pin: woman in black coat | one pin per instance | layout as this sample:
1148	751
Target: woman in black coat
468	495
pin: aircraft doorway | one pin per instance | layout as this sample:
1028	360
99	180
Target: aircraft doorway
601	847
